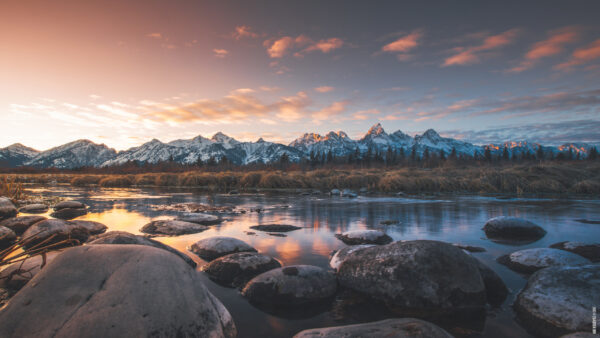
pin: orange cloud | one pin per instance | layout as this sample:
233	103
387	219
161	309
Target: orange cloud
221	53
330	112
404	44
473	54
242	32
154	35
553	45
277	48
325	46
365	114
581	56
324	89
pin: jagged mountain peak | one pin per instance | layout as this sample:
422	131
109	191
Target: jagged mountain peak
260	140
376	129
336	135
431	134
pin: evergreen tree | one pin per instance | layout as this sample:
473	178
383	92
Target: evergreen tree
453	154
593	154
505	155
488	154
540	153
442	155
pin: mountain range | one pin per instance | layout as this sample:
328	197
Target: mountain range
82	153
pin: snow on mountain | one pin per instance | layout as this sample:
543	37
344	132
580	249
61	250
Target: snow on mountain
76	154
16	154
432	141
522	148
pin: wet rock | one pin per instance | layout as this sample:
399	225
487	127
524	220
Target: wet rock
55	230
275	227
234	192
348	193
335	192
513	228
37	208
69	213
421	278
389	222
116	291
22	223
275	234
587	221
291	285
495	289
7	237
588	250
391	328
214	247
531	260
7	208
172	228
94	228
69	205
469	248
355	237
122	237
237	269
16	275
558	300
204	219
339	256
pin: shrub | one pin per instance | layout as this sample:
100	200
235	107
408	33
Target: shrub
116	181
80	181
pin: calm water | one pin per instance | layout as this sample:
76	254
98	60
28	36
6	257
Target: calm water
456	219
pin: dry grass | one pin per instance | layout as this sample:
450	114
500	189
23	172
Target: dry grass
11	188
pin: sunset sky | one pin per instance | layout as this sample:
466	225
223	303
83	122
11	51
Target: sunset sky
124	72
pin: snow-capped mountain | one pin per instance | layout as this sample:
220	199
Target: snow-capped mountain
16	154
522	148
76	154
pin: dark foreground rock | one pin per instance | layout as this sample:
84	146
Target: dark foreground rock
235	270
116	291
54	230
7	208
389	328
558	300
16	275
172	228
122	237
355	237
20	224
339	256
588	250
469	248
419	278
214	247
69	213
513	229
204	219
7	237
495	289
275	227
531	260
94	228
36	208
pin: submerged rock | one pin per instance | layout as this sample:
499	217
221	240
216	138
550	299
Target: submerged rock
531	260
389	222
588	250
291	285
55	230
122	237
335	192
364	237
7	237
513	228
348	193
558	300
94	228
390	328
237	269
22	223
469	248
204	219
214	247
172	228
339	256
495	289
69	205
275	227
16	275
7	208
116	291
69	213
36	208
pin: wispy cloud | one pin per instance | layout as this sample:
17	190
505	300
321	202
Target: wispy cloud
221	53
330	113
324	89
154	35
241	32
474	54
279	47
403	45
582	56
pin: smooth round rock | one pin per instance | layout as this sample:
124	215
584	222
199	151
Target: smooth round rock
495	289
275	227
122	237
513	228
94	228
172	228
7	208
69	204
531	260
588	250
58	229
22	223
36	208
291	285
7	237
204	219
340	255
217	246
116	291
16	275
422	277
389	328
559	300
355	237
69	213
237	269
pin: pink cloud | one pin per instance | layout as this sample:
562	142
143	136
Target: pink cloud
277	48
242	32
365	114
473	54
404	44
154	35
553	45
581	56
220	53
325	46
280	47
330	113
324	89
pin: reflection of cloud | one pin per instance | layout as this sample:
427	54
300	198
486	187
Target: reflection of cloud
582	56
473	54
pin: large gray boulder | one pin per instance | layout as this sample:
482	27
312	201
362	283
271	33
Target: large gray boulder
291	285
122	237
389	328
7	208
200	218
559	300
7	237
217	246
355	237
16	275
505	228
20	224
54	230
69	205
36	208
339	256
421	278
531	260
588	250
69	213
116	291
235	270
172	228
94	228
495	289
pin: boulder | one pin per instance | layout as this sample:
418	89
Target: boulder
389	328
335	192
558	300
16	275
116	291
512	228
199	218
94	228
355	237
275	227
122	237
214	247
22	223
69	213
588	250
7	208
531	260
172	228
348	193
69	205
7	237
36	208
469	248
237	269
291	285
422	278
339	256
495	289
54	230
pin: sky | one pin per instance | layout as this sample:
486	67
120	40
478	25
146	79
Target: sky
125	72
